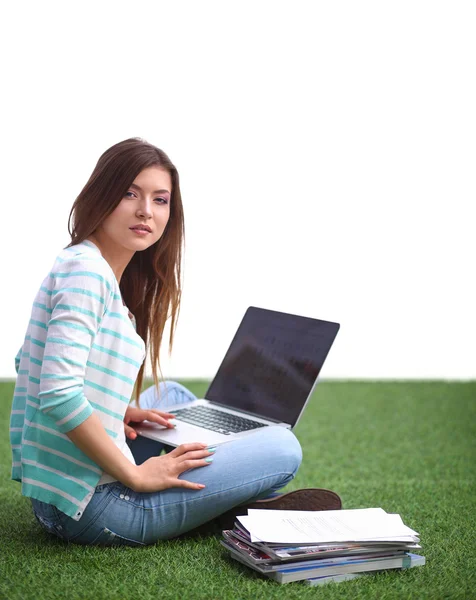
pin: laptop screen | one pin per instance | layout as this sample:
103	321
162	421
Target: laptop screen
272	364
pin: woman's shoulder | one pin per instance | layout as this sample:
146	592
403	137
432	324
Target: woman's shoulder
85	256
83	263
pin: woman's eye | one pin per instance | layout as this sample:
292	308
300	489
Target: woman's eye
158	200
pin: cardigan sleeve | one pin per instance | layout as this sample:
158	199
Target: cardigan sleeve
80	295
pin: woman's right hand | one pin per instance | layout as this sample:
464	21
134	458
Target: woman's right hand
162	472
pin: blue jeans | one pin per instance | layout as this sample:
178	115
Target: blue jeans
243	470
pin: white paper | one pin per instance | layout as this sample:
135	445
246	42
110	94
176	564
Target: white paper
301	527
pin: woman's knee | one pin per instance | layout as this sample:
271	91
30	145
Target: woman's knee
172	392
284	445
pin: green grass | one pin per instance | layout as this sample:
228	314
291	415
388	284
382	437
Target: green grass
408	447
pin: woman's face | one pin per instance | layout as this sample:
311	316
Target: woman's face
140	218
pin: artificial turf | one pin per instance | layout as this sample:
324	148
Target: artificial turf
406	446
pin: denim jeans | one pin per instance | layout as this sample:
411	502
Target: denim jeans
243	470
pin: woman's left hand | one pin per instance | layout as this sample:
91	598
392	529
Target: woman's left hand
137	415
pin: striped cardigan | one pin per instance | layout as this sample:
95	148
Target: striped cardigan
81	353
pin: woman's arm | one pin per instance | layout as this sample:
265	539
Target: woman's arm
81	294
157	473
91	437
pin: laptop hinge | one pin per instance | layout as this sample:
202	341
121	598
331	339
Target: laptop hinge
245	412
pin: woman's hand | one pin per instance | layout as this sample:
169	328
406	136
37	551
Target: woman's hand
161	472
137	415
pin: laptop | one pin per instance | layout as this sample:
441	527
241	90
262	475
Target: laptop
266	379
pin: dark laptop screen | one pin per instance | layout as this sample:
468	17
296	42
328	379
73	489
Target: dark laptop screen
272	364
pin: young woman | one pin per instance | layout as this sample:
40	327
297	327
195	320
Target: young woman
90	478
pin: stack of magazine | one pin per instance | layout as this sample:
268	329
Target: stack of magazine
322	546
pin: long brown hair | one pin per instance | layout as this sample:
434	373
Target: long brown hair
151	282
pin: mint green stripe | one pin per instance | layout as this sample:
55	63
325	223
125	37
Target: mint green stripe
77	419
82	274
109	372
83	311
33	399
80	291
106	411
55	376
15	438
30	412
78	274
55	443
73	488
49	439
68	361
117	297
16	420
116	315
74	258
55	340
35	361
35	491
58	394
106	390
43	307
23	372
20	389
37	342
38	323
46	290
117	355
112	434
73	326
33	379
120	337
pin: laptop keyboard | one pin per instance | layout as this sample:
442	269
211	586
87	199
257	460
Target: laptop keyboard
216	420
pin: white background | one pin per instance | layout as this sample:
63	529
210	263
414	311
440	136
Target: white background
326	153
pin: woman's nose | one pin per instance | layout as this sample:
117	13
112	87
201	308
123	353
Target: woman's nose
144	209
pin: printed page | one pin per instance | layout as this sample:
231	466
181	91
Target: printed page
300	527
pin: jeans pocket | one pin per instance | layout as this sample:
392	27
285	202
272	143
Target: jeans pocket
106	537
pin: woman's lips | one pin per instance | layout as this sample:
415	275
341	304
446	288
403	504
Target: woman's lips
139	231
